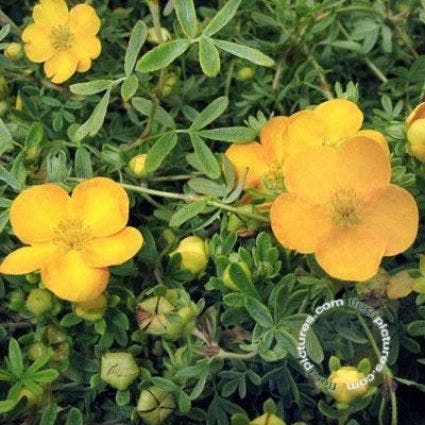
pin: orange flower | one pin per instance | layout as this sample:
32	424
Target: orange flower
72	240
341	206
415	124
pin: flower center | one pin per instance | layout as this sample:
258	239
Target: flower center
275	175
61	37
344	206
70	234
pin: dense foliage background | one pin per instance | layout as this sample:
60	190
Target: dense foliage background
367	51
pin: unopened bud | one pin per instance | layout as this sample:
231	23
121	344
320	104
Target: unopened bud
13	50
137	165
39	301
194	254
415	125
268	419
155	405
119	370
245	73
91	310
153	36
400	285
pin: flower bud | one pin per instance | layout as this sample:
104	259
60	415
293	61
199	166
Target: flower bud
91	310
415	124
268	419
39	301
229	278
347	384
400	285
153	36
18	103
245	73
155	406
32	153
137	165
32	277
151	315
37	350
119	370
194	254
13	50
54	335
170	81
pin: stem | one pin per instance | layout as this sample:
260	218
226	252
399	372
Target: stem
236	356
5	20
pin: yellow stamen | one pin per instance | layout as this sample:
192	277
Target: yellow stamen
70	234
344	207
275	175
61	37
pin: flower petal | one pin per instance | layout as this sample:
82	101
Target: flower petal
341	117
113	250
272	138
416	138
351	253
297	224
392	214
102	205
70	278
416	114
84	46
36	211
37	43
61	66
251	156
378	137
84	20
27	259
51	13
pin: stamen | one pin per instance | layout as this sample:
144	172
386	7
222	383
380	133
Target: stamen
70	234
344	207
61	37
275	175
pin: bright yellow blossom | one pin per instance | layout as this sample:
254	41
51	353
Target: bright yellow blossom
72	240
341	206
65	40
415	124
347	384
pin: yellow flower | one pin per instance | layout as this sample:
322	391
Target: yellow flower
415	124
72	240
65	40
137	165
341	206
347	384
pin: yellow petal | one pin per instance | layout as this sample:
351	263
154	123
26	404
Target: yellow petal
36	211
84	64
37	43
378	137
84	20
86	46
70	278
113	250
102	205
61	66
248	156
416	114
416	138
341	117
51	13
27	259
392	214
351	253
297	224
273	138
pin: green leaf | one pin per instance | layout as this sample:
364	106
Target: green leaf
47	375
159	151
242	280
416	328
16	364
137	39
9	179
347	45
75	417
4	32
210	113
162	55
165	384
328	411
70	320
259	312
4	218
129	87
205	157
209	57
82	163
38	364
122	398
35	135
245	52
186	212
229	134
186	15
7	406
96	119
92	87
144	106
207	187
222	18
184	402
6	140
49	415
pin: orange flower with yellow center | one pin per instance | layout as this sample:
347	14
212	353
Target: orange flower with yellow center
64	40
341	206
72	240
329	124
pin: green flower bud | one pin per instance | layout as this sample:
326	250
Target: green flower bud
32	153
228	279
55	335
137	165
153	36
151	315
37	350
245	73
119	370
61	352
194	253
91	310
155	406
39	301
268	419
13	50
32	277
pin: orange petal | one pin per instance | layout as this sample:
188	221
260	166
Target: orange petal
392	214
416	138
37	43
272	138
378	137
27	259
51	13
84	20
102	205
297	224
416	114
36	211
113	250
70	278
61	66
341	117
248	156
351	253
